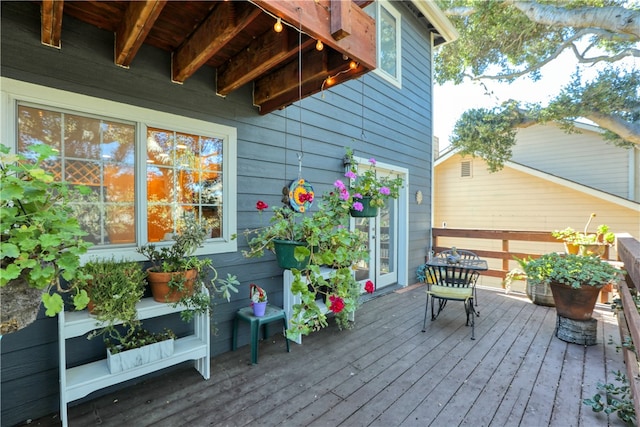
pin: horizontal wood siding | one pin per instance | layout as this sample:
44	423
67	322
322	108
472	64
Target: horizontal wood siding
583	157
397	130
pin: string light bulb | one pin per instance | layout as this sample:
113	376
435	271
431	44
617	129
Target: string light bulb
330	80
353	65
277	27
319	45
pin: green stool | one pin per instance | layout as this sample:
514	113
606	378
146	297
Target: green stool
271	314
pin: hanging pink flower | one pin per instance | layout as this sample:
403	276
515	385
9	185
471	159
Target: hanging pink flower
260	205
357	206
385	191
369	287
337	304
357	196
372	161
339	185
344	194
351	175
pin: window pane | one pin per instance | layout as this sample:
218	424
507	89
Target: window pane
94	153
388	42
184	177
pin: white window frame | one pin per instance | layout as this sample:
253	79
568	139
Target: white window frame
375	11
14	91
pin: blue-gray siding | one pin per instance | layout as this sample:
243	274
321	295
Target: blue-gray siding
397	130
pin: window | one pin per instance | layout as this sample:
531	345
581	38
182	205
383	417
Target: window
388	40
146	170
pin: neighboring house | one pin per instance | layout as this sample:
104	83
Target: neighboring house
555	180
119	120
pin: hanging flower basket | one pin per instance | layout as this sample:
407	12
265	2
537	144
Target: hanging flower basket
367	211
285	250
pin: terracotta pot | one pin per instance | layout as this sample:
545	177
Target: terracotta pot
576	304
162	292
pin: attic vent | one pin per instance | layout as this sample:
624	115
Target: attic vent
465	169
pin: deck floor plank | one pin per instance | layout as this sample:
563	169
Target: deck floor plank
386	372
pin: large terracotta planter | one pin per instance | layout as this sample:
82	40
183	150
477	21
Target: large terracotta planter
162	292
576	304
285	250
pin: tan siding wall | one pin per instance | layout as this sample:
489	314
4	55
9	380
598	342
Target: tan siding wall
581	157
513	200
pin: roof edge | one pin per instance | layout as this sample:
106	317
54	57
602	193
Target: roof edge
438	19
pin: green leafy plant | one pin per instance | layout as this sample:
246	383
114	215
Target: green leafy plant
114	287
368	183
178	258
569	269
617	399
139	337
601	236
41	239
329	243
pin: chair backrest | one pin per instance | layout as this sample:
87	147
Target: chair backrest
454	275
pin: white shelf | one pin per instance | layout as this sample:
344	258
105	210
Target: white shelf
79	381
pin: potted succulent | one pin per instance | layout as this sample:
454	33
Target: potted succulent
179	277
258	299
585	243
575	281
41	239
369	191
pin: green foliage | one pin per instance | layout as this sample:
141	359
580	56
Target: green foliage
573	270
502	41
602	235
618	399
369	183
41	239
139	338
179	257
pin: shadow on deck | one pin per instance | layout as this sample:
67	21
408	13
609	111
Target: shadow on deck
386	372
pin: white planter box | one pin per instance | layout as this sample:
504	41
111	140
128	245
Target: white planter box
139	356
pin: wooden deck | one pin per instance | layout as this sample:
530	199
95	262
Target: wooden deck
386	372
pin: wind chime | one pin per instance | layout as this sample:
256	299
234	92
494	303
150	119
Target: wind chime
299	193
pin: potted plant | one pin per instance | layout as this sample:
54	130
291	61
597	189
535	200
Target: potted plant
539	294
326	241
575	281
287	236
179	277
41	239
115	288
258	299
370	191
585	243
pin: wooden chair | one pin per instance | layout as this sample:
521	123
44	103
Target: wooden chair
451	281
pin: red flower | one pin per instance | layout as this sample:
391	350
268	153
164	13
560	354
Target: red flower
337	304
305	197
369	286
261	205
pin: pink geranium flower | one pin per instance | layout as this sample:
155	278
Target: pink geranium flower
337	304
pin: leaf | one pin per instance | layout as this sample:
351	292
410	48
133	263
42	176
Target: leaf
52	303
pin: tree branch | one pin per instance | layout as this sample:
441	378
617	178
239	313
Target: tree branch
629	131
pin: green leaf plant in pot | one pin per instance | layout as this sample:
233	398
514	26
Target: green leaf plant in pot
368	190
328	243
585	243
178	276
41	239
115	288
575	281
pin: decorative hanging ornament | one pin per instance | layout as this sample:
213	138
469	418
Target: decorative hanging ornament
301	195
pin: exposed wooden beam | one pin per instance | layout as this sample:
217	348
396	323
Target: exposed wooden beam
340	19
133	29
282	88
51	22
225	23
265	53
315	18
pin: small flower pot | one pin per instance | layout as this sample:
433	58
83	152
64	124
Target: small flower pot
259	308
367	211
162	292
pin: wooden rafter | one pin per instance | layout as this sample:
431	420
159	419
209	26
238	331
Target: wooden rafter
51	22
138	21
340	19
229	19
